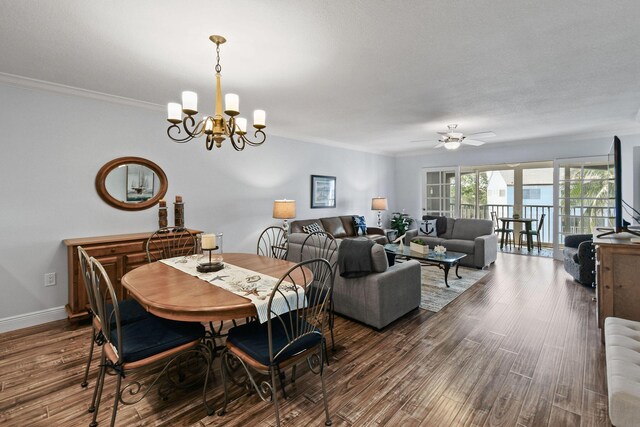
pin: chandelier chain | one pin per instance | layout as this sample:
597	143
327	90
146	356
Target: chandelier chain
218	67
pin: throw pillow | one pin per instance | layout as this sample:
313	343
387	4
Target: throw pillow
312	228
428	227
359	225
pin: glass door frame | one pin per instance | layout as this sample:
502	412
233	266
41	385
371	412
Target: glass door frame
423	192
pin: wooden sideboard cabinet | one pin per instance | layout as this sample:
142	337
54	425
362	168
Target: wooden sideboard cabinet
118	254
617	279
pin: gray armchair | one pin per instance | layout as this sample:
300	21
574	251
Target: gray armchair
579	260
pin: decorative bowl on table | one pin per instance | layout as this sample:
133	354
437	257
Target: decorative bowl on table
440	250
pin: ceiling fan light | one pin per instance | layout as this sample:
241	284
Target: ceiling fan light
451	145
455	135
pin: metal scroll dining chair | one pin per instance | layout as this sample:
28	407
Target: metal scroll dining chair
322	244
130	311
168	243
288	336
129	347
273	243
533	233
502	230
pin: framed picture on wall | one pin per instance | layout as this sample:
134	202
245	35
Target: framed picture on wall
323	191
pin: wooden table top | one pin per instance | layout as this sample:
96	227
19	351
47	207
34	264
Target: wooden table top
511	219
169	293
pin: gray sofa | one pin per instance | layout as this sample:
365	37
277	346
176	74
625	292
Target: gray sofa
340	227
474	237
376	299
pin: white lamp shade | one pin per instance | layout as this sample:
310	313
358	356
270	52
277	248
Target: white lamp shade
284	209
259	118
452	145
241	124
232	102
174	111
189	102
379	204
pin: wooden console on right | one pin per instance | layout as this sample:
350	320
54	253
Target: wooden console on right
617	279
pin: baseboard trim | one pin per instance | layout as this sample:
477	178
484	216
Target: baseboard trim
20	321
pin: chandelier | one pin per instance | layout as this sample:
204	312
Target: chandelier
216	128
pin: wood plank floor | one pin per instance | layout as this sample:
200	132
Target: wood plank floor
520	348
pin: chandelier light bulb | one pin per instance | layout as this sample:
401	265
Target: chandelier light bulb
452	145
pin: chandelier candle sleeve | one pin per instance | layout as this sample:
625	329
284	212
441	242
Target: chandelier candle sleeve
189	103
241	124
259	119
232	104
174	111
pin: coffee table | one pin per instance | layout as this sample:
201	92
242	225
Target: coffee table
444	261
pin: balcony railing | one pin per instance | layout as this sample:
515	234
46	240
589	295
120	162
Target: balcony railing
527	211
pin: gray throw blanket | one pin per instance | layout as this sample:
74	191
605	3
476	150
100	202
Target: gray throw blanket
354	258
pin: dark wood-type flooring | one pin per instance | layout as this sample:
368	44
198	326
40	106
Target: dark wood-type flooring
520	348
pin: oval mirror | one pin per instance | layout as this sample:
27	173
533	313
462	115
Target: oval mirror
131	183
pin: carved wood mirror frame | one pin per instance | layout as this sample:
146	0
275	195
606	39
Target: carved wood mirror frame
101	187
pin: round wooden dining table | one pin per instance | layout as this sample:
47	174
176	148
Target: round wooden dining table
172	294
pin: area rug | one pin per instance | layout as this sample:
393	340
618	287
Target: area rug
435	295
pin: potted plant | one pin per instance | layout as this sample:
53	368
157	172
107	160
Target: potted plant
419	245
400	222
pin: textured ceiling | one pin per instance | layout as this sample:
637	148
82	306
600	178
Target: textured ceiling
373	74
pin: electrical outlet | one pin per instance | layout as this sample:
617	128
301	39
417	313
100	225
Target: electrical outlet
49	279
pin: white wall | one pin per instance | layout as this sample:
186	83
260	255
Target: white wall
408	168
54	144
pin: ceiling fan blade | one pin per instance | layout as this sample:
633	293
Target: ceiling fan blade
440	145
423	140
443	133
483	134
474	142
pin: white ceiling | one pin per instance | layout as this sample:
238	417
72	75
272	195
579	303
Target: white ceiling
370	73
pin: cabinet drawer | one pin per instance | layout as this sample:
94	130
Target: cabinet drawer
123	248
136	259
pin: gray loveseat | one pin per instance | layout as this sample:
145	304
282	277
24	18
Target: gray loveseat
340	227
378	298
474	237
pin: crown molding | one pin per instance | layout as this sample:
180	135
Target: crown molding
35	84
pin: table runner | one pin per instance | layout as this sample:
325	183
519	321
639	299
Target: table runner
250	284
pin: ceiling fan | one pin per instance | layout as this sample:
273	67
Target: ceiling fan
452	140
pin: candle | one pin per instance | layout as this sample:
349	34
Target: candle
163	203
232	103
259	119
189	102
208	241
208	125
241	125
174	112
178	199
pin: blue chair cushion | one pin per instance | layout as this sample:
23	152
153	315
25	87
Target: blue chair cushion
130	311
253	339
153	335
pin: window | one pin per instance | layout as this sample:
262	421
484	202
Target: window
531	193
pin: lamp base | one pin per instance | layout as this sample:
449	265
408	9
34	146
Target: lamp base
379	219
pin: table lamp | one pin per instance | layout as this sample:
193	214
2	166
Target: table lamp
379	204
284	209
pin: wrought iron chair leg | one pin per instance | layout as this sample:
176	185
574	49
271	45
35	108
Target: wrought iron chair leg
323	353
209	357
224	373
86	369
275	395
282	378
97	394
116	399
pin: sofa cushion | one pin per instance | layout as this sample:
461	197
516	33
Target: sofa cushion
379	259
456	245
431	241
441	223
378	238
449	231
312	228
296	226
334	226
359	225
347	223
469	229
